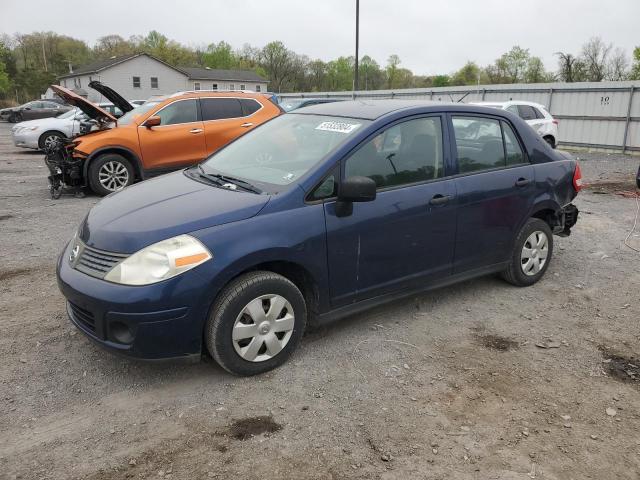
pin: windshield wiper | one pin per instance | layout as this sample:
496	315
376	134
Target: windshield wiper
221	180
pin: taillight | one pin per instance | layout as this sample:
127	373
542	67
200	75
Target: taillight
555	122
577	178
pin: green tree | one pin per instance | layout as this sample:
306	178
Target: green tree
340	73
470	74
514	63
635	70
4	80
112	46
441	81
392	70
535	72
220	55
279	63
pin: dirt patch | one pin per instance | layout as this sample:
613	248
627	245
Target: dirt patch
624	369
496	342
246	428
13	272
605	188
5	217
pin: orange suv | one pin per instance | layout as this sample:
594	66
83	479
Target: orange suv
166	133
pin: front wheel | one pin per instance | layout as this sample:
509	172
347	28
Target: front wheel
15	118
109	173
49	140
256	323
531	254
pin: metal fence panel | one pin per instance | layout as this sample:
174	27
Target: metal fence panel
591	114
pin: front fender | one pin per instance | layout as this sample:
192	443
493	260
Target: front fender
296	236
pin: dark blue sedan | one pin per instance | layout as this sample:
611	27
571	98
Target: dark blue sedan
313	216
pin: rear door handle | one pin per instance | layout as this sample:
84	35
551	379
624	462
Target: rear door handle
522	182
247	125
440	199
195	130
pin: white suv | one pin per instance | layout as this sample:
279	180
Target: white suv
534	114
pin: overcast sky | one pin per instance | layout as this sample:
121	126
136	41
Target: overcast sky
429	36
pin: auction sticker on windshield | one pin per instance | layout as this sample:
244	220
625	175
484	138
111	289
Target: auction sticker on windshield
339	127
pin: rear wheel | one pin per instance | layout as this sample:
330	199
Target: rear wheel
256	323
109	173
49	139
531	254
550	140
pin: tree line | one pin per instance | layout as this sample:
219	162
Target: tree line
31	62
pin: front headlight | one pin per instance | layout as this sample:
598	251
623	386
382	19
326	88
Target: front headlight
160	261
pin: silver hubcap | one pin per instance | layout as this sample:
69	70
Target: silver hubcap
113	176
263	328
534	253
50	141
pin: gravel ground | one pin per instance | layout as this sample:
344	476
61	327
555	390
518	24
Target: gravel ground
479	381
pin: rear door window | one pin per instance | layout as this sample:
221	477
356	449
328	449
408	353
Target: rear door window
538	113
249	106
479	144
220	108
515	155
527	112
182	111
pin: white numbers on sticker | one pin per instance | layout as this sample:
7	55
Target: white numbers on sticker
339	127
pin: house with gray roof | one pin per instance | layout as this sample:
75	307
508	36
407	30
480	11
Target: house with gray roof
140	76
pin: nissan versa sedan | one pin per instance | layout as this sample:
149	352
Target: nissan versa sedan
315	215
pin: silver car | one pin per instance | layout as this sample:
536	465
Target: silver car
39	134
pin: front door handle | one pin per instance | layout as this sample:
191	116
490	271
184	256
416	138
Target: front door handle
247	125
522	182
440	199
195	130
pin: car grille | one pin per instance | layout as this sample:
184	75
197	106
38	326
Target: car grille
97	263
84	317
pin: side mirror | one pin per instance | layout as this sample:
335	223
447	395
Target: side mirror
354	189
27	108
153	121
357	189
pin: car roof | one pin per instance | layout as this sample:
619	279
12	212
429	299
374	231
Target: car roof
218	93
373	109
511	102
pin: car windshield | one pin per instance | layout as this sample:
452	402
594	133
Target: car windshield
128	117
71	113
282	150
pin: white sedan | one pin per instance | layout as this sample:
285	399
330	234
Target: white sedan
39	134
534	114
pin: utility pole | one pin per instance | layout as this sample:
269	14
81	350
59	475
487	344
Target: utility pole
356	86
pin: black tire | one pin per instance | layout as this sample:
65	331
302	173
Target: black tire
550	140
515	273
97	164
229	305
15	118
48	137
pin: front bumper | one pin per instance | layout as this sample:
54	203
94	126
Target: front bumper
153	322
25	140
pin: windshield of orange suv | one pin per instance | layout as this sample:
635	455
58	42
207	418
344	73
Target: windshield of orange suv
282	150
128	117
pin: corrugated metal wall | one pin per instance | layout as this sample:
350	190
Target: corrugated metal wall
602	115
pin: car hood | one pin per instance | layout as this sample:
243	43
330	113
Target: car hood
111	95
162	208
92	110
50	122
